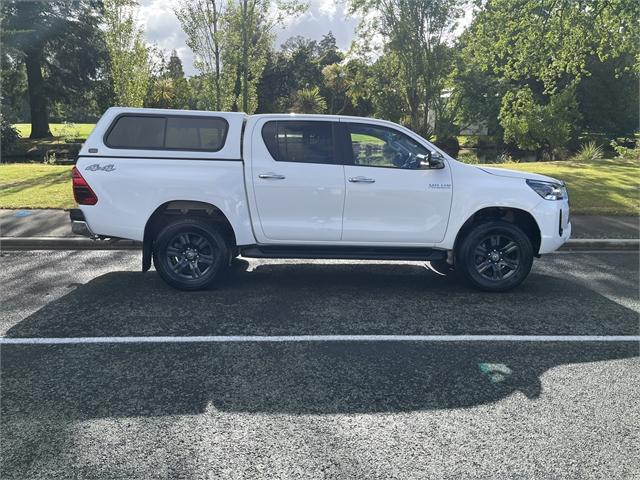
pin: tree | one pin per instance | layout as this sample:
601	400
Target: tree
174	67
294	67
201	21
535	126
540	51
309	100
608	97
128	54
416	33
249	33
328	51
61	47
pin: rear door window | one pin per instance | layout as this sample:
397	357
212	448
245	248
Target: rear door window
299	141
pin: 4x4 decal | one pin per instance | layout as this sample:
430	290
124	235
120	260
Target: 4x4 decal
96	166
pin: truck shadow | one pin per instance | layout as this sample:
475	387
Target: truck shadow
298	299
47	390
80	382
312	298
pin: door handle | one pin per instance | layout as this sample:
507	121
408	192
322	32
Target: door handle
271	175
361	180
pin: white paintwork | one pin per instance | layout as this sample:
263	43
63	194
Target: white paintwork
396	206
140	182
314	204
305	205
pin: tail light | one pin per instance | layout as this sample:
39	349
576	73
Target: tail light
81	189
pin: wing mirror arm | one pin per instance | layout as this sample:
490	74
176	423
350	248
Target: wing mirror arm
428	161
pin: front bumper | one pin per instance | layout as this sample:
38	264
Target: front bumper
554	223
79	225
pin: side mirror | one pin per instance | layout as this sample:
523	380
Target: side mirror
428	161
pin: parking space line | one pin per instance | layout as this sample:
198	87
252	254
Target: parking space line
319	338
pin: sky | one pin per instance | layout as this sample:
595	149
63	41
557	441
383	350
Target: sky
163	29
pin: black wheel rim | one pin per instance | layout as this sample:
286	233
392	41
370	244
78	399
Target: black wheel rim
497	257
190	255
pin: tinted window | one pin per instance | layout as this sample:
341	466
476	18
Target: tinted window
137	132
170	133
383	147
184	133
299	141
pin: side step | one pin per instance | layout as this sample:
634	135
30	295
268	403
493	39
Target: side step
342	252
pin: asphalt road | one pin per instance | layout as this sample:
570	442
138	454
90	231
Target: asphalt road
318	410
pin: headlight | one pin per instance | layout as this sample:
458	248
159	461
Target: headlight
548	190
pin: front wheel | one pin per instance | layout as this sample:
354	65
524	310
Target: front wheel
495	256
190	254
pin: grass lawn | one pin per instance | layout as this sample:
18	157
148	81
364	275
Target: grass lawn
73	130
606	187
35	185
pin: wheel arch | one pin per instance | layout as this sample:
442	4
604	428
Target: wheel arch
517	216
179	209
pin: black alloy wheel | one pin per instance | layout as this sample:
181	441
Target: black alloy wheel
190	254
495	256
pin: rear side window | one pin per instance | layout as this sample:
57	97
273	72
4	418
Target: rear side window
168	133
137	132
299	141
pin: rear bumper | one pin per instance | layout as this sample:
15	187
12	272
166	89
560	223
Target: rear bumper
79	225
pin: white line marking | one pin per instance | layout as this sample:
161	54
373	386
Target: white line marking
323	338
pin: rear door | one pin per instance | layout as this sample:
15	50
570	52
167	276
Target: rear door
390	197
298	183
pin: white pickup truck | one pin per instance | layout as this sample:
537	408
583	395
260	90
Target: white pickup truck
199	188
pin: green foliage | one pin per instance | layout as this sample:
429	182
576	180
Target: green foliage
557	60
174	68
468	157
128	54
309	100
535	126
549	41
8	135
300	64
61	48
625	152
608	97
415	32
589	152
202	22
232	41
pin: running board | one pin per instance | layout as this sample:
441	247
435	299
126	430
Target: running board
342	252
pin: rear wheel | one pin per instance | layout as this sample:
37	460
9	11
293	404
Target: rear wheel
495	256
190	254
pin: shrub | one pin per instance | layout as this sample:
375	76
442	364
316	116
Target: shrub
468	157
589	152
309	100
8	135
625	152
505	157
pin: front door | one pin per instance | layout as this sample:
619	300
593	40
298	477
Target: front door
391	198
297	182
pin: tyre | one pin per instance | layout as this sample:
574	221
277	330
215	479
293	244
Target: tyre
495	256
190	254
